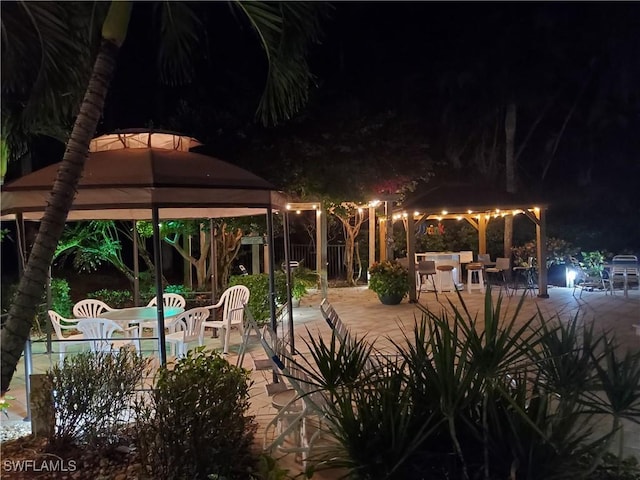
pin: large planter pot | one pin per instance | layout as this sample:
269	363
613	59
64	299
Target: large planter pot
390	299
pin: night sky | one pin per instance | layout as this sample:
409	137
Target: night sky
420	88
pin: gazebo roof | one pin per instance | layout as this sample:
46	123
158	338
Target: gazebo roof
125	182
467	198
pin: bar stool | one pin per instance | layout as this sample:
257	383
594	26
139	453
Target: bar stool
474	270
445	278
426	270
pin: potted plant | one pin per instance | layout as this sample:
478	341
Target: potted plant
389	280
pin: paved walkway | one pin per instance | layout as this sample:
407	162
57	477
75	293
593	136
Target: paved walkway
360	309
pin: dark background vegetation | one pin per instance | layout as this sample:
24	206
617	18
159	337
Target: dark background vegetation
418	91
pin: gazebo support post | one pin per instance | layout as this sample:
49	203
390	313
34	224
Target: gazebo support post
214	260
136	266
482	234
382	235
322	253
372	236
541	240
411	256
157	259
287	269
272	278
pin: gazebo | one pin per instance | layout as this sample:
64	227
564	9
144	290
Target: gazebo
477	205
141	175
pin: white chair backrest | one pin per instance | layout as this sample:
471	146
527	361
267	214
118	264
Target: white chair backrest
98	331
58	326
90	308
234	299
503	263
169	300
190	322
625	258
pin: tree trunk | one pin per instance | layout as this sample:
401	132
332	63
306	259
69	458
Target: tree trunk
32	283
227	248
351	233
510	168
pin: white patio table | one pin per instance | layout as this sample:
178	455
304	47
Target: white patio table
138	315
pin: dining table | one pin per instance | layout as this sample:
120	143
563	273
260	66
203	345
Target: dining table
126	317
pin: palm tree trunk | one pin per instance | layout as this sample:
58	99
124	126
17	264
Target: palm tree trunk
32	283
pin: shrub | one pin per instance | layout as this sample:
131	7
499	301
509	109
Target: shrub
258	285
559	251
113	298
60	298
194	424
92	394
179	289
389	278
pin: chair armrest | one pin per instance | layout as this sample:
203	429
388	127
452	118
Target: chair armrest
217	305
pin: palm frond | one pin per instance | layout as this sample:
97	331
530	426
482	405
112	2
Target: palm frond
46	53
179	29
285	31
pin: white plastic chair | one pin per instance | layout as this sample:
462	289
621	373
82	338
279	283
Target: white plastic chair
189	328
58	327
232	301
99	333
90	308
169	300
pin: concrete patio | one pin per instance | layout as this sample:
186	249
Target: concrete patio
362	312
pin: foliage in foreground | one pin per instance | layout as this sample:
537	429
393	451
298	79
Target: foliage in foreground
194	423
89	398
503	399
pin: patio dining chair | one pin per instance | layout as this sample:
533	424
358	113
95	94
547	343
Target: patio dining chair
60	324
498	273
99	332
232	302
90	308
168	300
297	424
188	330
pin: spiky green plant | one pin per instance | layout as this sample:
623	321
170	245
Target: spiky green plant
509	397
